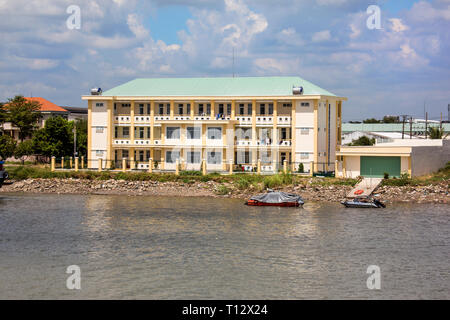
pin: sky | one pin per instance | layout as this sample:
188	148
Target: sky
401	68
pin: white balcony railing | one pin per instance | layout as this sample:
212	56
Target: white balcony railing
142	119
124	142
284	120
142	142
264	120
122	119
161	118
244	120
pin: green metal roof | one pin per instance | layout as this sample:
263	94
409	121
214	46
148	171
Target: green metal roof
246	86
388	127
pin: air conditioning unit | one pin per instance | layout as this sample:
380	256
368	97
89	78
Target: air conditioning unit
96	91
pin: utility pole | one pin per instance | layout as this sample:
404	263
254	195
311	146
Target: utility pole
410	127
74	140
403	126
426	125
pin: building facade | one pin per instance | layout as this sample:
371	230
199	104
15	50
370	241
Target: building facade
223	121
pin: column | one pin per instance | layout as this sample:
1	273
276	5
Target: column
76	164
132	122
110	134
124	164
52	164
132	159
327	128
192	109
150	165
275	139
152	122
233	109
89	130
100	164
293	133
172	109
316	134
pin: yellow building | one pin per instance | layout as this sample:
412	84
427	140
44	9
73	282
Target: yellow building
244	122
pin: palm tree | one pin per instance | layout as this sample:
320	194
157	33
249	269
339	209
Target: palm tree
435	133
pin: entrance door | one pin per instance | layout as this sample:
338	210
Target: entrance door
376	166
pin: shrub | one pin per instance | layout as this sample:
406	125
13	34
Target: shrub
222	190
301	168
386	175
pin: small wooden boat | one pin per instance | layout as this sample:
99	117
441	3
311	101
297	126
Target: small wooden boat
3	174
363	203
275	199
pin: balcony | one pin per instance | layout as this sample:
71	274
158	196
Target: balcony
284	120
122	119
264	120
142	119
244	120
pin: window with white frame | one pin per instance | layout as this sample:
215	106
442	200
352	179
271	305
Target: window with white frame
214	157
193	157
99	130
172	156
193	133
99	153
304	155
214	133
173	132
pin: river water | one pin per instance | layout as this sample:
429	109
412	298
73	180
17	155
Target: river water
203	248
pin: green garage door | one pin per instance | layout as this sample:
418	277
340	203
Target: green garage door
376	166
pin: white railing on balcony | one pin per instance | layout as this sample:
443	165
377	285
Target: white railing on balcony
266	168
160	118
243	143
264	120
244	120
122	119
141	119
182	118
143	165
121	141
285	143
157	142
202	118
284	120
142	142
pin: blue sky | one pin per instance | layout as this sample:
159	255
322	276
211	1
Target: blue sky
393	70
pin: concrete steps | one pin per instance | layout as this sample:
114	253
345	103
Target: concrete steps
367	185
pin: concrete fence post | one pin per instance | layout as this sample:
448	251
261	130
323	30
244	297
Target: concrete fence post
124	164
204	170
100	164
150	165
132	163
71	162
336	167
62	162
231	167
177	167
82	162
76	164
52	164
311	170
258	170
285	166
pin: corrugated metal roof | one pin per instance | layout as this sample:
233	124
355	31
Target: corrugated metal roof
246	86
388	127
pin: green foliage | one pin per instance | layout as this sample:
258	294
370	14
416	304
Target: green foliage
81	130
391	119
24	115
222	190
301	168
402	181
371	120
55	139
363	141
2	113
435	133
190	173
7	146
386	175
23	149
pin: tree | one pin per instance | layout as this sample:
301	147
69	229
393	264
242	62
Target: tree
371	120
81	128
7	146
435	133
24	149
55	139
391	119
23	114
2	113
363	141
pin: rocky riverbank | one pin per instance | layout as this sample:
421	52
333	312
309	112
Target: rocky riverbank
436	193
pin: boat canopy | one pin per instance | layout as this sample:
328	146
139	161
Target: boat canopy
277	197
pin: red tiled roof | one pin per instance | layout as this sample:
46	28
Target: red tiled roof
46	105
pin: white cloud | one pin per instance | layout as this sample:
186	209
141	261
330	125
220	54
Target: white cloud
397	25
321	36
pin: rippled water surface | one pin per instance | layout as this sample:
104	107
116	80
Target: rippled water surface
202	248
